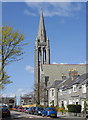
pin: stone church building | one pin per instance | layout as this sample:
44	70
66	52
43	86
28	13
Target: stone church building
43	70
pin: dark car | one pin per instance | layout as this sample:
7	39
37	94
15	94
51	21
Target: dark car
25	109
4	111
51	112
32	110
86	112
38	110
28	110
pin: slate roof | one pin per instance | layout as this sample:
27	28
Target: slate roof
64	84
55	83
68	83
85	81
79	80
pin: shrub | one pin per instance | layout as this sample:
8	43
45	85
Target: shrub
74	108
61	109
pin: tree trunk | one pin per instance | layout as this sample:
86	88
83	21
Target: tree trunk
2	64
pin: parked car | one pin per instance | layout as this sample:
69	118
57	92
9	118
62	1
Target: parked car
86	112
28	110
20	109
38	110
32	110
51	112
4	111
25	109
86	116
15	108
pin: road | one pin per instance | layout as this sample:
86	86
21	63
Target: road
24	116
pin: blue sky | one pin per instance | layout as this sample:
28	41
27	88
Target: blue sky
65	26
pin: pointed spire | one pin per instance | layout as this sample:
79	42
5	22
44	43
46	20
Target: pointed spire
41	30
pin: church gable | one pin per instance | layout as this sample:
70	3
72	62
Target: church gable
56	71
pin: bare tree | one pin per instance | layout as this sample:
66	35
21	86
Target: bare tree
41	91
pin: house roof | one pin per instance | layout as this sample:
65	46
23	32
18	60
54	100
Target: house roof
68	83
26	97
55	83
83	79
64	84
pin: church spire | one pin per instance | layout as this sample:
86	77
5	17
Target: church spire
41	30
41	55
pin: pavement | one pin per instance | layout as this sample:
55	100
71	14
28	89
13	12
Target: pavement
71	117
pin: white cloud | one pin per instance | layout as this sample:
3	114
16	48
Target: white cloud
54	63
86	62
58	8
27	12
4	94
29	69
63	63
81	63
8	95
58	63
19	92
12	95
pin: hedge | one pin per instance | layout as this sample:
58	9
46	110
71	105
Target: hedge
74	108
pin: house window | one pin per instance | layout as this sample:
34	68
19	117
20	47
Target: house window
69	91
60	92
83	88
74	88
52	92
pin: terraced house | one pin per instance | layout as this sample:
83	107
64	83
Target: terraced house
70	91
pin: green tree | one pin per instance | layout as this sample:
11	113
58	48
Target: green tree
85	105
11	47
